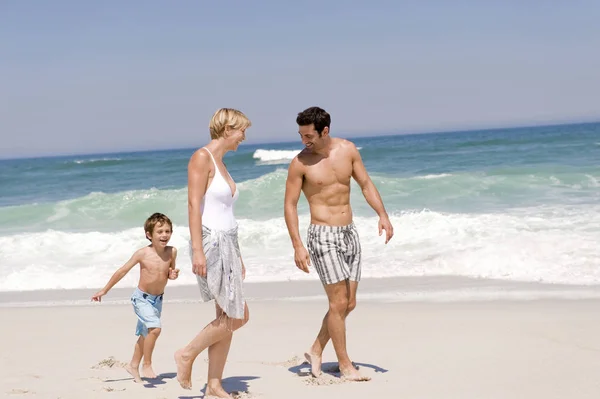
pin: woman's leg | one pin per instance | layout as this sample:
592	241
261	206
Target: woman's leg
219	329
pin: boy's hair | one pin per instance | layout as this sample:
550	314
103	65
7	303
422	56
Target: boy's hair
153	220
227	117
315	116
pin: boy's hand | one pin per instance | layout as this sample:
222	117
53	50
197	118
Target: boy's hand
98	296
173	274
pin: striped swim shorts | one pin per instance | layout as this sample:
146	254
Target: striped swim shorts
335	252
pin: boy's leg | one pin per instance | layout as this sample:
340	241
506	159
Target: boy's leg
149	343
148	309
133	367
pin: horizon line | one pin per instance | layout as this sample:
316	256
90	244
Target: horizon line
351	136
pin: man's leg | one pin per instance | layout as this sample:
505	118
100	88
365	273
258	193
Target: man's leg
134	366
336	325
314	355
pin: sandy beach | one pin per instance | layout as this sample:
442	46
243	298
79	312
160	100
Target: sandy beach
537	347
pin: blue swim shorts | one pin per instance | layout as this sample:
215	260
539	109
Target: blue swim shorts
148	309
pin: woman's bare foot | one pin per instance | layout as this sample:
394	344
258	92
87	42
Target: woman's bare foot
217	391
148	372
184	370
134	372
352	374
315	364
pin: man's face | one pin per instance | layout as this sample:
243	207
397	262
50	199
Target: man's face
310	137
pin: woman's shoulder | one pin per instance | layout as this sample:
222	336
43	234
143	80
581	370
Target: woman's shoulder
200	158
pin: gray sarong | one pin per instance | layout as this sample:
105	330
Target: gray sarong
223	281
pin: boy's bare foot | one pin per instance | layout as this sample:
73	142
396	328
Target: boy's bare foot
315	364
134	372
184	370
352	374
217	391
148	372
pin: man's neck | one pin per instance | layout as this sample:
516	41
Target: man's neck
326	149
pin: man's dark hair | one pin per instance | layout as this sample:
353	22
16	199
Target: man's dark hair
316	116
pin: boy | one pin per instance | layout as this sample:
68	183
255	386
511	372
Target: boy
157	266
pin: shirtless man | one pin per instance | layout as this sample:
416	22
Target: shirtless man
322	170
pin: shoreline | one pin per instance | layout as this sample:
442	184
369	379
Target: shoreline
389	289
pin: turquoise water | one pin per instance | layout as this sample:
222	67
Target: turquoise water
520	204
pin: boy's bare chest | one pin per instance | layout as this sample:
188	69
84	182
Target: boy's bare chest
155	264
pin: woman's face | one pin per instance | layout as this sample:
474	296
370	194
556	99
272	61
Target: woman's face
235	137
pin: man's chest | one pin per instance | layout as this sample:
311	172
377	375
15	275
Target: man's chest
329	171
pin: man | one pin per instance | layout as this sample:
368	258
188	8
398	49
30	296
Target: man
322	170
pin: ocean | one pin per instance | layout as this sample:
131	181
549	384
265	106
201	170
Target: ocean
519	204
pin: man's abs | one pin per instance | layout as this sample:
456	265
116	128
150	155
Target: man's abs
330	215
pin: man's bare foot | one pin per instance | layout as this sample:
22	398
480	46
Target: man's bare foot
217	391
184	370
352	374
134	372
148	372
315	363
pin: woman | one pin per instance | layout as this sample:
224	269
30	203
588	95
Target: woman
214	249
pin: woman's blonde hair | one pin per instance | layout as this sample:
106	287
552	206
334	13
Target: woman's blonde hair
227	117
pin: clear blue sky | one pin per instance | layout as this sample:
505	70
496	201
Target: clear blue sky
98	76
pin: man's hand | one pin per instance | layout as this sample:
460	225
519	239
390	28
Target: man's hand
173	274
199	263
384	224
98	296
243	270
302	259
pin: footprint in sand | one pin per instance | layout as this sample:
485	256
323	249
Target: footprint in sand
111	389
20	392
323	379
294	361
242	395
109	363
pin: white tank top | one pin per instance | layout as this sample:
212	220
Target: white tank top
217	204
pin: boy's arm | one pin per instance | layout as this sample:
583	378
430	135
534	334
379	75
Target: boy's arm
173	270
118	275
370	192
293	188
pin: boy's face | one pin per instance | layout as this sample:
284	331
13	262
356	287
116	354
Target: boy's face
161	234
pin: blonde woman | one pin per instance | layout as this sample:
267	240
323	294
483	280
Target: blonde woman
214	249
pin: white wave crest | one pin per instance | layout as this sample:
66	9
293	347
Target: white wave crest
543	244
95	160
275	156
434	176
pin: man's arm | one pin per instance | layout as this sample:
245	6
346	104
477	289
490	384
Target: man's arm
293	187
370	192
118	275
